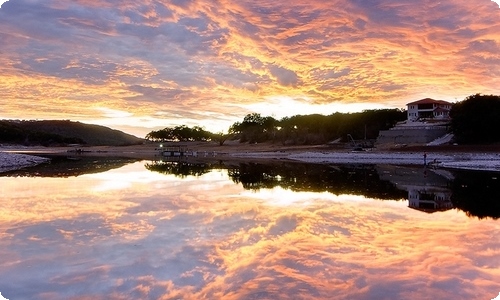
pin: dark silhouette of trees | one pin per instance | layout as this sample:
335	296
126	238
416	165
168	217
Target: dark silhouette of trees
180	169
476	120
159	135
477	193
316	128
62	132
221	137
311	129
474	192
180	133
254	128
35	133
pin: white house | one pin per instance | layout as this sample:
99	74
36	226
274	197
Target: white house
428	109
429	199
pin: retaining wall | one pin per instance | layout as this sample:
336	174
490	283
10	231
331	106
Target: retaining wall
410	136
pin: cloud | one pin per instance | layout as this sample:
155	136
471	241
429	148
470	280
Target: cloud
210	56
284	76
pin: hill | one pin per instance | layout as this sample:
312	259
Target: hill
62	132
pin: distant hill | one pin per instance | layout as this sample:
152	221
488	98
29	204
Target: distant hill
62	132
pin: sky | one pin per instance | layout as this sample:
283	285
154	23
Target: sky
139	66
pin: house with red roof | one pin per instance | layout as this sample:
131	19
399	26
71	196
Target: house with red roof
428	109
427	120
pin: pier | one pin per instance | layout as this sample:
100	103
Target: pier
173	151
182	151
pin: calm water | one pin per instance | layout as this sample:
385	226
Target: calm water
125	229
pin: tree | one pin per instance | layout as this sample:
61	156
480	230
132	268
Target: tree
299	129
160	135
317	129
180	133
254	128
476	119
221	137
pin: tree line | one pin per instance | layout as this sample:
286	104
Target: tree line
473	120
16	133
180	133
295	130
62	132
476	120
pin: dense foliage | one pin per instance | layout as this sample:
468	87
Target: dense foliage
476	120
299	129
13	133
62	132
179	133
316	128
255	128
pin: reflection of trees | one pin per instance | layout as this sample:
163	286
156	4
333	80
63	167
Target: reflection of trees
255	176
180	168
477	193
348	179
64	166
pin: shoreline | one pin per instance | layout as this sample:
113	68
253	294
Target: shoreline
14	157
16	161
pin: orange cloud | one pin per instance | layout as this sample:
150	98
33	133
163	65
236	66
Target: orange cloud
212	62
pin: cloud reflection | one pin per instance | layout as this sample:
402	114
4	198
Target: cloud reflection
205	237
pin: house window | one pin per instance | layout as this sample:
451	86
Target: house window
426	106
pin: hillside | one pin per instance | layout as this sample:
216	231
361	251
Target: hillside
62	132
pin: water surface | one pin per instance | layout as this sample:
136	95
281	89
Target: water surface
162	230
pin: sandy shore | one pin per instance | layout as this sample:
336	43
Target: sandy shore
477	161
13	161
457	158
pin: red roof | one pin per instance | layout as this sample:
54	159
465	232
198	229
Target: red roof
429	101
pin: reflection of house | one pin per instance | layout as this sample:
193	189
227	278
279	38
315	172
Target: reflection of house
427	189
429	200
428	109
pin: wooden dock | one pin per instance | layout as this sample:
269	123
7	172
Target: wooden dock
177	151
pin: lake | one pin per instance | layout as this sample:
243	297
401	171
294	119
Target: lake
110	228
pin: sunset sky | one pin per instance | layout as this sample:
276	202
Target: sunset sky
143	65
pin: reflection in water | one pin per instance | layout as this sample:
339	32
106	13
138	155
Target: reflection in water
180	168
66	166
427	190
129	233
358	180
477	193
430	190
